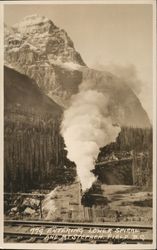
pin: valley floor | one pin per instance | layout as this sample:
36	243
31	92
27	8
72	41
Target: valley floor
130	203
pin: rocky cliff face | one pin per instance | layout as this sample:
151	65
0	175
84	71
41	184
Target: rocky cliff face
39	49
44	52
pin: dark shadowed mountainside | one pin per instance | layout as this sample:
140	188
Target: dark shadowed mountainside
23	92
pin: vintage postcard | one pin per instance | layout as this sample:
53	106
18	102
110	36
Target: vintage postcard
78	110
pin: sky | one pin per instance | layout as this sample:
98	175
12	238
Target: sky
105	35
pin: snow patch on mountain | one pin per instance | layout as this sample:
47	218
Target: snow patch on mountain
31	21
65	65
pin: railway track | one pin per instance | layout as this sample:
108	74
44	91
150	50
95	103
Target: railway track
59	232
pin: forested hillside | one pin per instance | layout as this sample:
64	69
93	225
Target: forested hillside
35	157
34	153
129	139
128	160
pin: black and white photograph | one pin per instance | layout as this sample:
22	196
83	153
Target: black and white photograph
79	124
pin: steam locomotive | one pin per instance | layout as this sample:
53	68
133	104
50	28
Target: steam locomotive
94	196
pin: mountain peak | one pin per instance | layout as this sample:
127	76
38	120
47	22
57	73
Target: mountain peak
35	18
34	22
49	42
44	52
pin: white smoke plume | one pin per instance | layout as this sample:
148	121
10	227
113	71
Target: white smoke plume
86	127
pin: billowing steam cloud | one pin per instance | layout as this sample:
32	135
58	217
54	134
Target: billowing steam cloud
86	127
128	75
